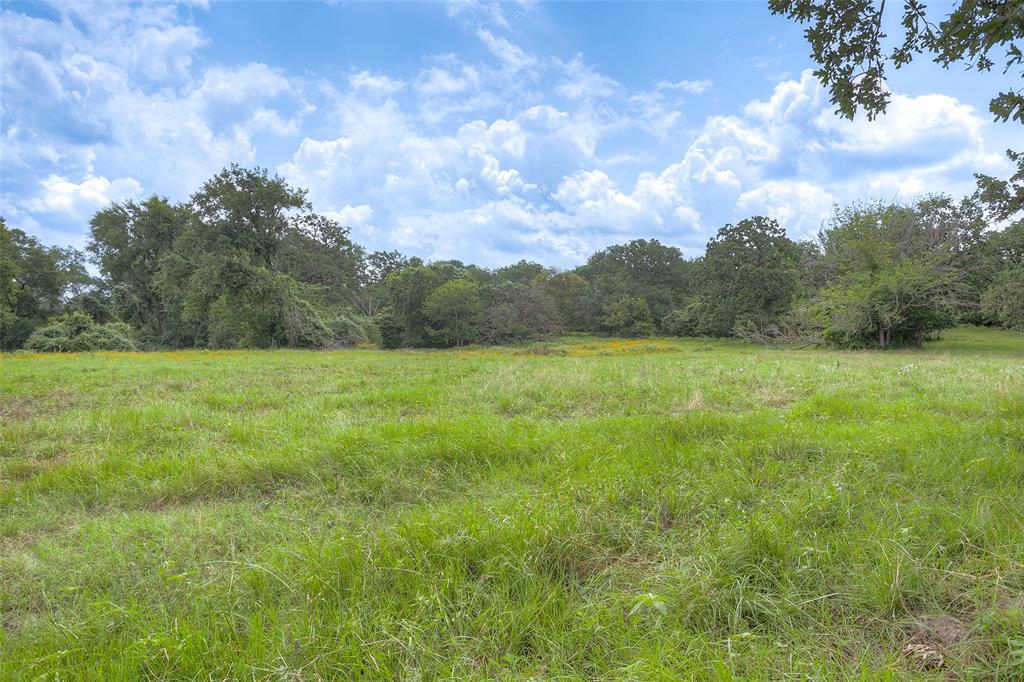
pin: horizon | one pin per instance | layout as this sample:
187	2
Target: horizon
487	133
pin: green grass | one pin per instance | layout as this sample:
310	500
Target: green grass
585	509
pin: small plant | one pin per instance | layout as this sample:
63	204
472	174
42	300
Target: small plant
648	603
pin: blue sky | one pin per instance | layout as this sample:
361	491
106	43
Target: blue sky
484	132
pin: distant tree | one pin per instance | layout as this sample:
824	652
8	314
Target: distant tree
523	272
474	273
898	305
373	270
8	275
319	252
127	242
453	310
627	316
748	277
95	303
684	320
251	210
568	291
896	274
641	268
403	321
516	312
846	40
1008	244
43	279
1003	301
253	266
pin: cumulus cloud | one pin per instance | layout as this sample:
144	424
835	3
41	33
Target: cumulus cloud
61	195
488	159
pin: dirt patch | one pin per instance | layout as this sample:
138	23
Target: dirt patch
24	407
1006	603
943	630
932	638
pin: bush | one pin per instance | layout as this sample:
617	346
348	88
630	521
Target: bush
347	329
627	316
77	332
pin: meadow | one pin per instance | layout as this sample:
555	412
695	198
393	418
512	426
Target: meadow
580	509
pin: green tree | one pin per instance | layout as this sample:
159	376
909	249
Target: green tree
523	272
373	269
254	266
895	274
251	210
516	312
1003	302
127	242
404	321
641	268
43	279
748	277
8	275
569	291
453	310
898	305
318	251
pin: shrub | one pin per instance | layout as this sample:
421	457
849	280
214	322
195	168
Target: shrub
347	329
77	332
627	316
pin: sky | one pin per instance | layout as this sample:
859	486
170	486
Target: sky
483	132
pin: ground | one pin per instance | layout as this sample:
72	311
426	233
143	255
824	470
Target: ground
585	509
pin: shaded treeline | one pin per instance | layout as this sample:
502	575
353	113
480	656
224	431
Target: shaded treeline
247	263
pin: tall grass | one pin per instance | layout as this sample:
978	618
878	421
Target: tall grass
586	509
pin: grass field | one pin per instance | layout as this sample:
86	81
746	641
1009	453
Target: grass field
585	509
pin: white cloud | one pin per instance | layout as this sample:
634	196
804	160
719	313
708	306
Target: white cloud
351	215
692	87
581	80
802	207
514	57
375	82
436	80
240	84
60	195
164	54
512	154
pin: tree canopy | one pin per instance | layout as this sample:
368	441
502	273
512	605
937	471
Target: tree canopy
247	263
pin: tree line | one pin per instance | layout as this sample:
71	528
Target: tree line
247	263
